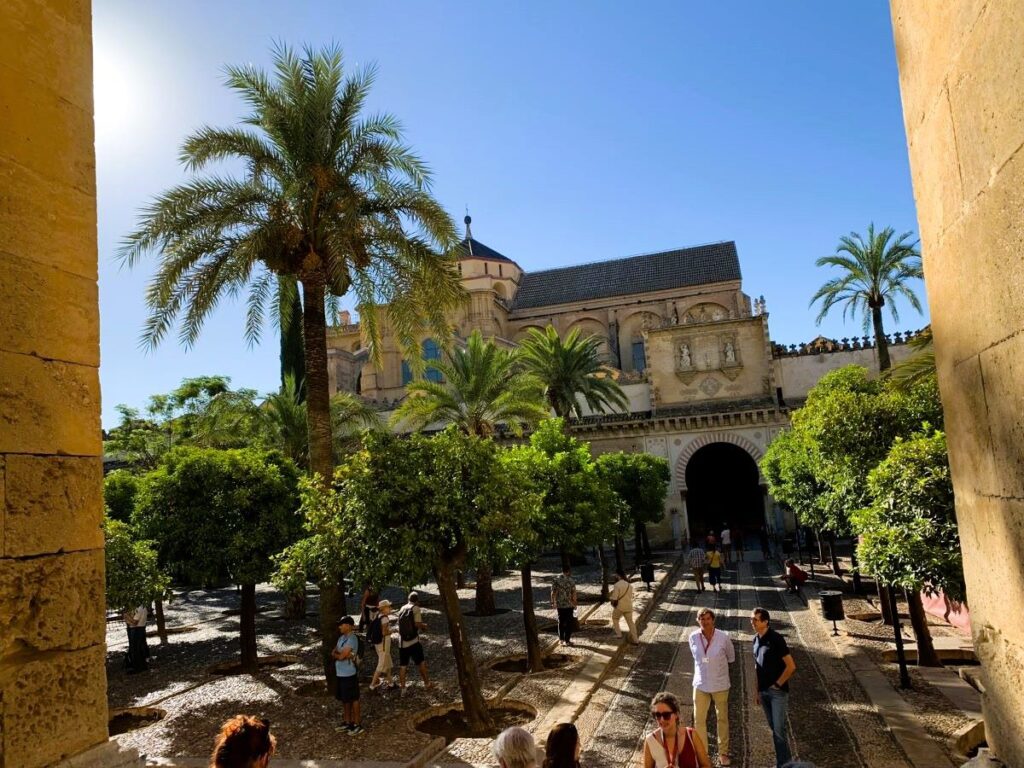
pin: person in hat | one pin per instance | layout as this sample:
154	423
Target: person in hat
378	633
347	684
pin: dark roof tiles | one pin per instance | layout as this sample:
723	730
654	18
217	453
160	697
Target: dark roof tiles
479	251
702	264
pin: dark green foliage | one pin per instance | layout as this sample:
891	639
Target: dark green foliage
134	577
119	489
641	481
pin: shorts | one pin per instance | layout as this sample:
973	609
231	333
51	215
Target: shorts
413	653
347	689
715	576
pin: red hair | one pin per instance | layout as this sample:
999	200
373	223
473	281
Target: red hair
242	741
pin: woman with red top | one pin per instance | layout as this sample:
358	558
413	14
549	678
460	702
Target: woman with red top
671	745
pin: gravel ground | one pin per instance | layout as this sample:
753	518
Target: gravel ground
196	701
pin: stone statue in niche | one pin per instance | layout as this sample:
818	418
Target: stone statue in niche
730	352
684	356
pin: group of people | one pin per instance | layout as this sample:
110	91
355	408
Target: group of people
712	553
376	619
564	601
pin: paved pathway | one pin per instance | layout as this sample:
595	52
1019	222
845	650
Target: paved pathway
832	722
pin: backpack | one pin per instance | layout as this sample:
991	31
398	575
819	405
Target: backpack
360	650
407	624
375	632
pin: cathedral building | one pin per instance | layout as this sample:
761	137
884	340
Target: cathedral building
707	388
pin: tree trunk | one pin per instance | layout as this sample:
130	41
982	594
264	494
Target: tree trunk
883	605
247	630
856	569
620	554
832	554
566	560
926	655
332	608
884	363
821	545
604	571
646	542
318	396
638	544
293	358
478	717
295	604
460	579
161	622
534	659
484	591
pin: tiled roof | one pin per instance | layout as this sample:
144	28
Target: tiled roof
701	264
480	251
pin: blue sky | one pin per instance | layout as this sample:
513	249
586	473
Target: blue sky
574	132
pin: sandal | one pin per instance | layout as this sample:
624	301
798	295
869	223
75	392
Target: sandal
724	760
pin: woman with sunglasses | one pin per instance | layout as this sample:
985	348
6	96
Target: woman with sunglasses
672	745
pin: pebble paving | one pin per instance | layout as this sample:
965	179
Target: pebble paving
831	722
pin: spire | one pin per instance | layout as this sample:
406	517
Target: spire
469	231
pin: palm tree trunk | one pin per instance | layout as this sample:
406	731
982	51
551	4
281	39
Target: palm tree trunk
484	590
926	655
293	358
534	659
247	629
884	363
318	396
332	608
478	717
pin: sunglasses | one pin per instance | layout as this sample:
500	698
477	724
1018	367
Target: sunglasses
663	715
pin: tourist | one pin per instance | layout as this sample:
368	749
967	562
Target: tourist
368	603
670	745
563	600
713	652
715	568
774	666
766	547
621	598
563	747
697	558
346	688
514	748
726	544
244	741
737	542
138	649
710	541
410	622
378	633
795	577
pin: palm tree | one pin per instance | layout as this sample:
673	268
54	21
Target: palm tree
919	366
876	269
327	196
482	386
571	368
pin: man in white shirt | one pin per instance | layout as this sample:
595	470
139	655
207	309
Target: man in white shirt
713	652
621	597
726	540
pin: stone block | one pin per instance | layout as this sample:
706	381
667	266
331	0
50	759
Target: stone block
46	134
46	222
48	312
54	707
48	407
936	174
986	93
967	426
973	275
48	48
1002	368
53	504
3	502
56	602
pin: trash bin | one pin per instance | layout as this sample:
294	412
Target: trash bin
832	608
647	574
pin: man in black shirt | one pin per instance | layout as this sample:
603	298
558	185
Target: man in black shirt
774	666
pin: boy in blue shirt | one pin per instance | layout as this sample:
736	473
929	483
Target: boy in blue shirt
347	689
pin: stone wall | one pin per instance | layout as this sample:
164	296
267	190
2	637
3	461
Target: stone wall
52	621
797	374
962	81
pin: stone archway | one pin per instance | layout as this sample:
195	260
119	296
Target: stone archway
715	437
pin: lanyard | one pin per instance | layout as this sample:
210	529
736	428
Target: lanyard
707	643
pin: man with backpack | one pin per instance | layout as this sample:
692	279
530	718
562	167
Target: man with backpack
410	622
378	634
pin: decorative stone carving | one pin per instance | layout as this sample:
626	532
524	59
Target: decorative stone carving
685	360
710	386
706	312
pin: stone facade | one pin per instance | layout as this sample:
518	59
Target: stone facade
962	83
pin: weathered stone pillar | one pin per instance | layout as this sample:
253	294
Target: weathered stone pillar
53	701
962	82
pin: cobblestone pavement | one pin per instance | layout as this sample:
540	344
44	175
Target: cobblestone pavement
831	721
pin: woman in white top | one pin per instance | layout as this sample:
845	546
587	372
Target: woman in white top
713	652
671	745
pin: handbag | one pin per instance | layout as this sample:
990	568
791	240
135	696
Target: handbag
615	603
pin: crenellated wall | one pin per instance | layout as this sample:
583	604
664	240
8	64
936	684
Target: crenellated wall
962	82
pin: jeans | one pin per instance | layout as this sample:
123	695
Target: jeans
775	705
565	624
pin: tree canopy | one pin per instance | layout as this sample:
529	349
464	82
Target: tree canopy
134	576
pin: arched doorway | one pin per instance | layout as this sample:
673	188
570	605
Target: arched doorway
722	487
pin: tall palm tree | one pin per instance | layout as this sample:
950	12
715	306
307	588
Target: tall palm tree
876	270
482	386
327	196
570	368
